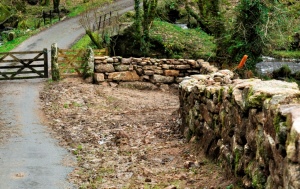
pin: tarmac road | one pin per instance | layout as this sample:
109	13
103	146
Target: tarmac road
29	157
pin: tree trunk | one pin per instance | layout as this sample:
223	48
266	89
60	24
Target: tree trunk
93	39
56	5
199	20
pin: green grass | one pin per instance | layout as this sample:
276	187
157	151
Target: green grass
182	43
31	20
286	54
10	45
83	43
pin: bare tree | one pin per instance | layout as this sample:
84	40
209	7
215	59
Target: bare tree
100	26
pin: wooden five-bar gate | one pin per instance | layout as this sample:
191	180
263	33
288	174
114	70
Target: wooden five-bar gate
23	65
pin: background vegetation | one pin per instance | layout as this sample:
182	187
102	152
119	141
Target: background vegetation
27	19
220	31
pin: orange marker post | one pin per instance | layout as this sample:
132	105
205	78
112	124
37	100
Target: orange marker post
242	62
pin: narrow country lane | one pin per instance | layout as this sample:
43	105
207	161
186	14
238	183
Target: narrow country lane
29	156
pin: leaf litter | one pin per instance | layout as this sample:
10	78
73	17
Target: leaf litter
126	138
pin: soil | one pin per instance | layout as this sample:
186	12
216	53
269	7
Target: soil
126	138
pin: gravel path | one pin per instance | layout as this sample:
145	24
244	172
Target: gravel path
29	156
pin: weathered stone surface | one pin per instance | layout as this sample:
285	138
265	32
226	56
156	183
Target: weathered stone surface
170	68
99	77
179	79
148	72
110	60
162	79
192	62
137	60
182	67
149	67
104	68
171	72
159	71
252	126
121	68
253	92
166	66
126	60
139	85
124	76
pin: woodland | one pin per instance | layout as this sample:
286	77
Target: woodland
220	31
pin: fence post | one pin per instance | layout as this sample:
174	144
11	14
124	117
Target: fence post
54	63
50	17
58	14
99	26
46	74
44	17
89	65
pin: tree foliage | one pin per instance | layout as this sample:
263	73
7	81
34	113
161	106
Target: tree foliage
143	23
248	36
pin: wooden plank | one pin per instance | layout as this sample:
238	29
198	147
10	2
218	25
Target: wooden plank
28	77
22	52
3	57
46	74
23	72
12	67
9	61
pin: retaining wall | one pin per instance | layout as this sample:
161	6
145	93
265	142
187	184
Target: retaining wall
251	126
155	71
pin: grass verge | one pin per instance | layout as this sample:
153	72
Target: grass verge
31	21
286	54
182	43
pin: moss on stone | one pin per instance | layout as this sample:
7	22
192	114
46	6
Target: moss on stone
222	117
208	94
4	13
258	180
249	168
254	100
220	94
278	121
237	157
230	91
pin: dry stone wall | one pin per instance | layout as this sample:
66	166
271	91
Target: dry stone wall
156	71
251	126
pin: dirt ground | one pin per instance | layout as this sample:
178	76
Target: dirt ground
126	138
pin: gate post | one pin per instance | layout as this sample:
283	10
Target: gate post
54	63
89	65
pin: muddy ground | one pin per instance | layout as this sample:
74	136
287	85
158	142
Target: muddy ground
126	138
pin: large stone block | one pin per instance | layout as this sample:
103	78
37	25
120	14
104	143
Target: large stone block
124	76
126	60
148	72
171	73
121	68
99	77
104	68
182	67
162	79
